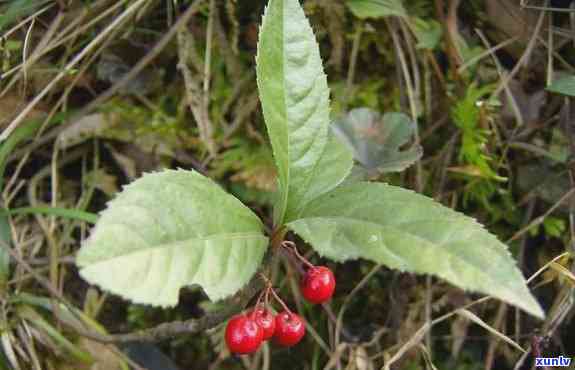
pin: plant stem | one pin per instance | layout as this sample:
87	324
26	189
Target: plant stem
281	302
276	296
291	246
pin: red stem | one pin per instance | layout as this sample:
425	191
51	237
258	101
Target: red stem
291	246
281	302
259	301
267	296
277	298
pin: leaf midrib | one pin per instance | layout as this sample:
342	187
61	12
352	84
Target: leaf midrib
227	236
286	186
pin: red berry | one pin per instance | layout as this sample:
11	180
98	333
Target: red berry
243	335
266	320
318	284
290	329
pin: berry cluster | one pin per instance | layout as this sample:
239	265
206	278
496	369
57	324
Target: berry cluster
246	332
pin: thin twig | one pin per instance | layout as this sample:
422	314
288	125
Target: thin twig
356	289
206	128
452	32
539	220
546	8
353	62
419	335
524	57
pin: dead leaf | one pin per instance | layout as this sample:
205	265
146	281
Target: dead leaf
127	163
545	181
111	68
259	177
103	181
528	103
11	105
511	20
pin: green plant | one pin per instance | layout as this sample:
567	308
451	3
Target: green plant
477	165
177	228
466	115
16	9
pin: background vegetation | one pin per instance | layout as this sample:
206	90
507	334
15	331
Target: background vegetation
95	93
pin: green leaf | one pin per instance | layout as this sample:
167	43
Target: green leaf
565	86
295	99
376	141
168	230
376	8
5	243
410	232
427	32
18	8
